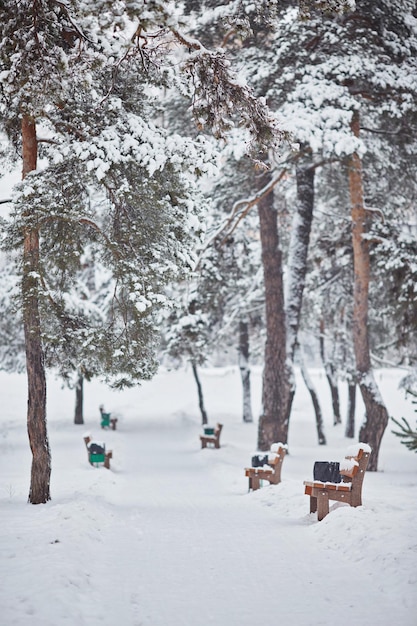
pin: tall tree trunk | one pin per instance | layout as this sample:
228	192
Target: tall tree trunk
277	383
204	419
331	378
79	400
376	414
350	422
36	415
298	252
316	404
245	370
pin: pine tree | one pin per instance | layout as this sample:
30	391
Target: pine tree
336	94
76	91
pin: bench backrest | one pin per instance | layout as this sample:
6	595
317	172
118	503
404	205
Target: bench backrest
358	472
280	453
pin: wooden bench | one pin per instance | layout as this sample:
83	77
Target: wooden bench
97	459
106	420
352	469
272	472
212	440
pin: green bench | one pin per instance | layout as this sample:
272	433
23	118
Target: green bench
97	454
106	420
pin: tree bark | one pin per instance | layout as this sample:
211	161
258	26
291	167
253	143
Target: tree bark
376	414
330	375
79	400
316	404
39	492
245	370
277	383
204	419
299	244
350	422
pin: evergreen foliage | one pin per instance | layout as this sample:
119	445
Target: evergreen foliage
407	434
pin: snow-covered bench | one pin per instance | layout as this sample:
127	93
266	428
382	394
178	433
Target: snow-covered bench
107	420
271	471
352	470
97	452
212	440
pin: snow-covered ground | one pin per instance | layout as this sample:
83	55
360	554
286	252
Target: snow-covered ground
170	535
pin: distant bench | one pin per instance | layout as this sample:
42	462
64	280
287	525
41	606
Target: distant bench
211	438
271	470
97	454
352	470
107	421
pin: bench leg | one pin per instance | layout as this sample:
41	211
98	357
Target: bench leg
322	505
107	458
313	504
256	483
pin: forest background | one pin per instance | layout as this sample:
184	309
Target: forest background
204	177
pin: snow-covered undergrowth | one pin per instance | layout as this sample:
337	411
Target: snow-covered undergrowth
170	536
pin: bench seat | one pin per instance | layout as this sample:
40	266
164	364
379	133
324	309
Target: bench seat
331	486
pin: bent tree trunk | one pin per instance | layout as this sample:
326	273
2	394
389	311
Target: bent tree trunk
36	414
277	382
79	400
204	419
331	378
316	404
376	414
245	370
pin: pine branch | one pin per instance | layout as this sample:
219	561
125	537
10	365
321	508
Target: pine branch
219	96
239	211
406	433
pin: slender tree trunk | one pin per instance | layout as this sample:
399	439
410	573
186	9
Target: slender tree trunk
298	253
376	415
350	422
316	404
331	378
277	384
36	415
245	370
79	400
204	419
299	244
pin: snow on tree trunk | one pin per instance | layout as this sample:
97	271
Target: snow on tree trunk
245	370
204	419
277	383
350	422
36	412
79	399
376	415
331	378
299	242
297	262
316	404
